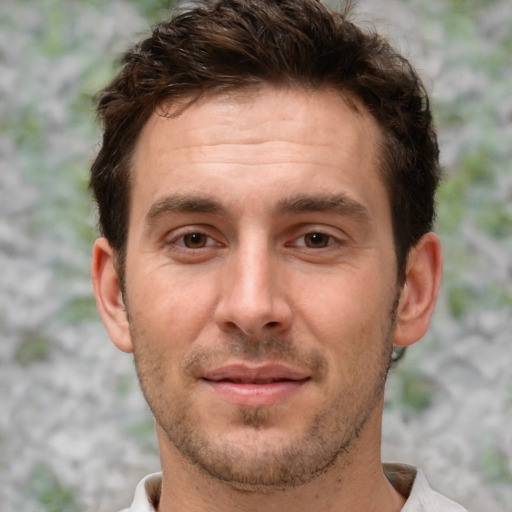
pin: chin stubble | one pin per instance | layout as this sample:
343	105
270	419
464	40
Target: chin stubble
326	441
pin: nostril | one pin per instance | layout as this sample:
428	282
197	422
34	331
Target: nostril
271	324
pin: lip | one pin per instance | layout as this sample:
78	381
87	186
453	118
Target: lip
255	386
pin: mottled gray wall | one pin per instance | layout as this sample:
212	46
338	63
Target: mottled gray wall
74	432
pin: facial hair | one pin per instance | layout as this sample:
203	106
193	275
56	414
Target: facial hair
326	438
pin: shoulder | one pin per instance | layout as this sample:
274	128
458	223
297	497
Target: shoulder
411	482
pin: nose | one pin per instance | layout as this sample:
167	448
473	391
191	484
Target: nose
253	297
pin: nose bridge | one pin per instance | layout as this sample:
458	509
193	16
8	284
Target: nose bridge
251	297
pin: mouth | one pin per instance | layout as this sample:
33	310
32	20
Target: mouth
256	386
252	381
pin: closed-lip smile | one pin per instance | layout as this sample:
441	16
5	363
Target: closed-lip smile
260	385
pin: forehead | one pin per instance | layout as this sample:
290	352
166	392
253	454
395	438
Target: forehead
260	105
302	136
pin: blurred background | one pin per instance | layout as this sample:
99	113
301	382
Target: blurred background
75	434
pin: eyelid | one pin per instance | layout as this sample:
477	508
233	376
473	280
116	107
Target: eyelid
294	243
209	240
176	237
337	238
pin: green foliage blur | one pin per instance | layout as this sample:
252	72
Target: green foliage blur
470	194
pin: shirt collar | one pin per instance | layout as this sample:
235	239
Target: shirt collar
407	480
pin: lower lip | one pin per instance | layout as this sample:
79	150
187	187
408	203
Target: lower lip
256	395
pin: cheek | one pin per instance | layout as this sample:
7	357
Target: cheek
169	307
349	317
342	302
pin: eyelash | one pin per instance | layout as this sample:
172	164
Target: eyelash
208	241
181	240
330	240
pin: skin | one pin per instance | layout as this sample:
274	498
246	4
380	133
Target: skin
260	249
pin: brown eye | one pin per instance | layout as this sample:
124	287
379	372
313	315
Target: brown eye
316	240
195	240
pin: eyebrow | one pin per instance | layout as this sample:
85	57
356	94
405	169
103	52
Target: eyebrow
181	204
338	203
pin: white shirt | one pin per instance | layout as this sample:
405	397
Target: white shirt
407	480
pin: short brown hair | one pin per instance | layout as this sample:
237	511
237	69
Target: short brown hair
220	45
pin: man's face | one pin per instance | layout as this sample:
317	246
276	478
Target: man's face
261	281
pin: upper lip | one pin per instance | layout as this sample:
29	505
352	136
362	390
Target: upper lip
260	374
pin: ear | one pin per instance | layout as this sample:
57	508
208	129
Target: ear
419	293
107	290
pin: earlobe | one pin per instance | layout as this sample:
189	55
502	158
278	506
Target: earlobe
419	293
107	290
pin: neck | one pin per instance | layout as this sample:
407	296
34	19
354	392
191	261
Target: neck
355	481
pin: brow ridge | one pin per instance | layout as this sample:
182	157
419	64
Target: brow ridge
337	203
178	203
303	203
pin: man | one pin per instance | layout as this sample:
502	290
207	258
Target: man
265	189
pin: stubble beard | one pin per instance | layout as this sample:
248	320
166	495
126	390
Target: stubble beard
267	468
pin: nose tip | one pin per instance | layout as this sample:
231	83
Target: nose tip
253	302
252	328
253	319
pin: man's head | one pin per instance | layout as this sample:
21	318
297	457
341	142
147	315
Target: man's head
232	45
265	165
